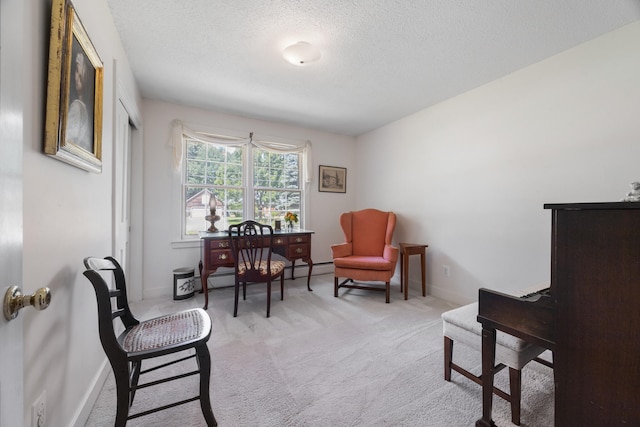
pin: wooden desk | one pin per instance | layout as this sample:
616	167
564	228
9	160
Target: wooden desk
292	245
407	249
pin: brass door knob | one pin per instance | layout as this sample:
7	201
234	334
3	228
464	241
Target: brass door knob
14	300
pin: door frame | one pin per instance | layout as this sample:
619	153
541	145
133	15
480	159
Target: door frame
12	98
121	186
128	100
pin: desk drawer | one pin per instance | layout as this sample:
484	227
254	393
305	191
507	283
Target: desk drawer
298	239
218	244
300	250
219	257
280	241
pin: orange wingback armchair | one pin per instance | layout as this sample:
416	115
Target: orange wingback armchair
367	254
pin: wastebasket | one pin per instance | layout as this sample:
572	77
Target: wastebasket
184	283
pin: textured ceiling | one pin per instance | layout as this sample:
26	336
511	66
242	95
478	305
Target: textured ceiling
381	59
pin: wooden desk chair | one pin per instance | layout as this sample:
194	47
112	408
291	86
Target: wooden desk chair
252	245
142	340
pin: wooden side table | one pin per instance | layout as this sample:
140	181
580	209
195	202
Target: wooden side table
406	250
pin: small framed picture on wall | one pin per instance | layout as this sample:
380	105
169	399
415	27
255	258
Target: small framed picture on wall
332	179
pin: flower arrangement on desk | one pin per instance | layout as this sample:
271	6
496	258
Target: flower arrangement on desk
290	218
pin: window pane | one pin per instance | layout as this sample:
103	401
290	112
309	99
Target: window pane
233	207
292	171
261	177
277	171
214	173
234	175
291	200
197	207
271	204
195	172
196	150
274	170
229	207
234	155
260	157
215	152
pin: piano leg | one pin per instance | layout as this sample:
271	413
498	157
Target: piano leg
515	390
488	366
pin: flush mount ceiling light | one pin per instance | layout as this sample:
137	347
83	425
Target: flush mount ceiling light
301	53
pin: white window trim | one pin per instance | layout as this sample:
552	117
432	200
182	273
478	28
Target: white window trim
210	134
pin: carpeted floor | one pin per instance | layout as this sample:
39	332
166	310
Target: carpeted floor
325	361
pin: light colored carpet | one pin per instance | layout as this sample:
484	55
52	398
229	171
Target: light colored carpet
325	361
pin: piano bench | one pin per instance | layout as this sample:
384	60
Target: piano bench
461	325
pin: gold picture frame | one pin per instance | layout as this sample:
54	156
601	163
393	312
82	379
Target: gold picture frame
73	122
332	179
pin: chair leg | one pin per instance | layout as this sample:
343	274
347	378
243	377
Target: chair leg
387	291
121	374
282	287
135	376
204	365
244	291
335	287
515	389
268	298
235	301
448	357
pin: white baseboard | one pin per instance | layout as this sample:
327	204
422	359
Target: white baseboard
84	409
225	280
447	295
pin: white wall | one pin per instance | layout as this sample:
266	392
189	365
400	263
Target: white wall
469	177
67	216
161	195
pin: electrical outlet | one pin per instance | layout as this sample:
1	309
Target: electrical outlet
39	411
446	270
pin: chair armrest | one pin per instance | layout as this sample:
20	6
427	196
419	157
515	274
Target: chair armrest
341	250
390	253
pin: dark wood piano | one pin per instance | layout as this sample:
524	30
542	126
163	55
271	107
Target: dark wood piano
590	319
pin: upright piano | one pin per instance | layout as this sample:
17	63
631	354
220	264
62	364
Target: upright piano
590	318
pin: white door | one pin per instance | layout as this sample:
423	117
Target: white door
11	348
122	187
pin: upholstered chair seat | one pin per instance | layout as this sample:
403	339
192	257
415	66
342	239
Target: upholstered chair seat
461	326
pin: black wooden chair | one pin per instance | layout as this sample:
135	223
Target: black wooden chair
141	340
252	244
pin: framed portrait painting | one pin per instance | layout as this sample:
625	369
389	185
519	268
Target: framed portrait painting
332	179
73	122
